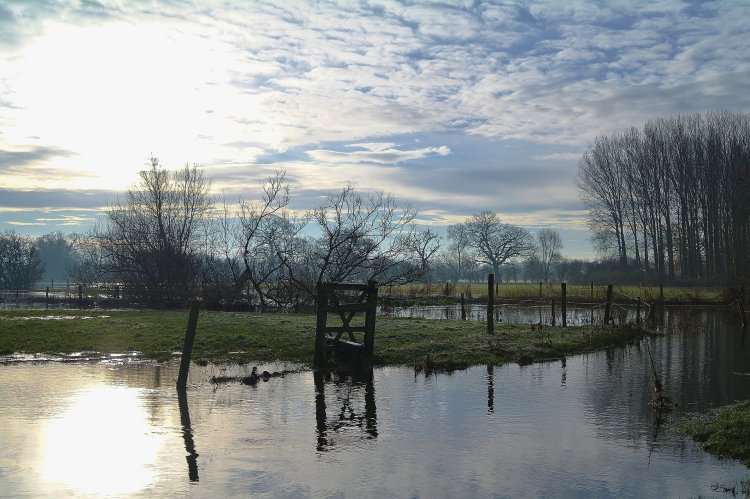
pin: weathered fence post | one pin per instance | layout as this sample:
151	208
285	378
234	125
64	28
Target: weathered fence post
117	294
591	293
80	296
564	304
553	312
742	307
638	311
372	303
463	308
540	290
46	298
187	349
321	302
491	304
608	306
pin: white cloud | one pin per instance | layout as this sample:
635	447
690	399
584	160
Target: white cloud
383	153
228	85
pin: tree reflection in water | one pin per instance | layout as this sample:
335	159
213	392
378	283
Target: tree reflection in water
352	393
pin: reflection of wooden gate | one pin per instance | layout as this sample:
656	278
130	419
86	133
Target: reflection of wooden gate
341	338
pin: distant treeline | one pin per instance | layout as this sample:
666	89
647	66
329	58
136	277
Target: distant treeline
672	200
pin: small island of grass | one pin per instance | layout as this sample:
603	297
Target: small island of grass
724	432
242	337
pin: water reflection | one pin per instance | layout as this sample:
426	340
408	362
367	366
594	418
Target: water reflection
490	389
578	427
102	443
352	395
187	435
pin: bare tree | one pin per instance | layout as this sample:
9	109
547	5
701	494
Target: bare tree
460	246
495	242
152	236
549	245
20	263
90	261
363	237
265	235
56	251
426	244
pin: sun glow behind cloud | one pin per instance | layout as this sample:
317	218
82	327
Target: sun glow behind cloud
456	106
113	93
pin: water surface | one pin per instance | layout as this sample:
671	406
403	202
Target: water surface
578	428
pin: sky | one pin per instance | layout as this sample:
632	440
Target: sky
454	107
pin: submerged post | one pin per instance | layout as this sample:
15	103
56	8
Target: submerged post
608	306
553	312
321	302
372	305
491	304
564	304
638	311
187	349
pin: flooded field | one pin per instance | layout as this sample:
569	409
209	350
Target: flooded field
583	427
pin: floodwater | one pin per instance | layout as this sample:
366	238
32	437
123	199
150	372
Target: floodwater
578	428
576	315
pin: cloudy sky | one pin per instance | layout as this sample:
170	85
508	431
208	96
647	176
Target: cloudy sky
456	107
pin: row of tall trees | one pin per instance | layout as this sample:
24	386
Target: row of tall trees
674	196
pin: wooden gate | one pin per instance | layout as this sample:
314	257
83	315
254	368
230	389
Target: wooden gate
341	338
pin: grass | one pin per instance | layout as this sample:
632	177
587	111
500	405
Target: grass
243	337
724	432
515	292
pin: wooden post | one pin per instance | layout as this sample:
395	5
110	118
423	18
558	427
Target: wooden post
80	296
638	311
553	312
321	302
372	304
497	289
608	306
661	294
46	298
564	304
463	308
117	294
540	289
491	304
591	293
742	307
187	349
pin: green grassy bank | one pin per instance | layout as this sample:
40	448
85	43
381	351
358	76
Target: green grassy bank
244	337
724	432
